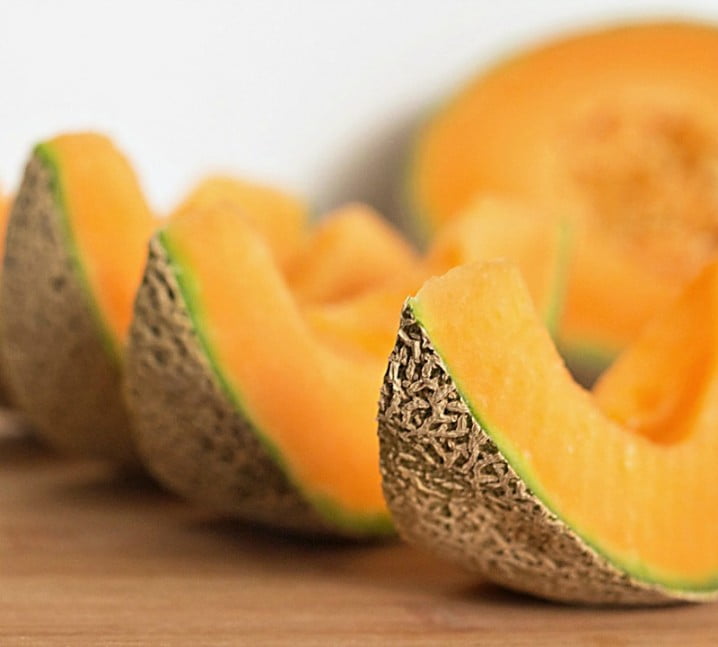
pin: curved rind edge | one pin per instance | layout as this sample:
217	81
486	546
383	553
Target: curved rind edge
451	490
53	355
190	434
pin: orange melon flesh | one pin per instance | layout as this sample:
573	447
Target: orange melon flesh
493	227
366	323
589	321
364	320
646	505
655	387
314	406
615	129
4	216
108	220
353	315
282	219
354	249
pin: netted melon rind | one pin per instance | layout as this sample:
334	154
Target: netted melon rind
450	490
54	355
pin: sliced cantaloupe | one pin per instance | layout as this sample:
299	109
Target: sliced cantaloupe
493	457
352	250
239	401
355	269
76	245
614	129
493	227
253	386
281	218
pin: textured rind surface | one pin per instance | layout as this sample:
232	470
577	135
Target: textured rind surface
53	354
189	432
450	490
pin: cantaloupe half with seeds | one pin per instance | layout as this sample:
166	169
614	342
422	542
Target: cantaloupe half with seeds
281	218
76	244
353	249
238	401
493	227
492	456
614	129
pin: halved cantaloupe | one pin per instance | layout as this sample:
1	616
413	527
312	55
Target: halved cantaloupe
281	218
352	250
493	227
237	401
614	129
493	457
76	244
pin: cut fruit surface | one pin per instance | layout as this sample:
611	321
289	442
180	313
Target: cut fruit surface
494	457
352	250
365	324
238	401
280	218
253	386
662	385
613	129
493	228
76	244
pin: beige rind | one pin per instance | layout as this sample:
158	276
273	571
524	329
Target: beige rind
450	490
53	356
190	434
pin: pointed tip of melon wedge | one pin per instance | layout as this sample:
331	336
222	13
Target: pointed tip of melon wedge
457	486
63	373
195	437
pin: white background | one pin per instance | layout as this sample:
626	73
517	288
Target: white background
318	96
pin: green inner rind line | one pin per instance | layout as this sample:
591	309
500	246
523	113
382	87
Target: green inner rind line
328	508
513	456
49	159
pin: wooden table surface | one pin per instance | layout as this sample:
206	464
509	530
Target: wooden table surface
89	557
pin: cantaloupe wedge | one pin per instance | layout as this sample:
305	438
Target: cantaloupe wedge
76	244
238	402
493	457
353	249
613	129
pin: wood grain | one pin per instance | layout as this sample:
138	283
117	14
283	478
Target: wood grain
92	557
